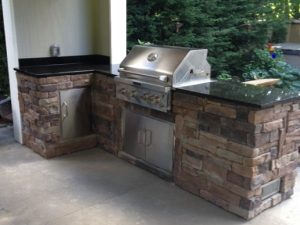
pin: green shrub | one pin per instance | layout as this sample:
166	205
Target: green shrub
230	30
263	66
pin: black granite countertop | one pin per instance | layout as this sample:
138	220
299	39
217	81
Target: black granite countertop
249	95
59	66
224	90
68	69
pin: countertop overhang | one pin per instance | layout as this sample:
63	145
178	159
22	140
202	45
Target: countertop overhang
245	94
238	93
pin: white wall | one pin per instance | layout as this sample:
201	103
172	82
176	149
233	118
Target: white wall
12	61
101	26
118	25
79	26
41	23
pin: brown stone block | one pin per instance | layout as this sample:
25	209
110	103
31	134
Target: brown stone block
191	170
240	125
250	203
242	191
259	139
41	80
49	118
189	182
179	126
108	145
287	195
294	115
104	110
292	139
194	150
215	173
295	107
245	171
186	101
257	160
220	110
288	181
263	206
241	149
81	83
27	99
229	155
47	87
21	103
265	115
248	183
276	199
53	94
224	163
39	94
190	132
221	141
289	147
235	135
289	168
224	194
273	125
71	145
47	101
65	85
295	132
58	79
275	135
77	77
292	123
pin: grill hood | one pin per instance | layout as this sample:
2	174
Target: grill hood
175	66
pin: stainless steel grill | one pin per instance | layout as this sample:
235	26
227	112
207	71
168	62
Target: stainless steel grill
148	74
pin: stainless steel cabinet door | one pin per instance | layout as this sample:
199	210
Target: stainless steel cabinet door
149	139
159	143
75	112
134	137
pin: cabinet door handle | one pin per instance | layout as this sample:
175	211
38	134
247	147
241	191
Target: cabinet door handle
65	113
141	137
148	135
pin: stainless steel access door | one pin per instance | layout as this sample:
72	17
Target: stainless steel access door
75	112
149	139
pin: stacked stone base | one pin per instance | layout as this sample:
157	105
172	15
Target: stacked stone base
228	154
40	113
224	152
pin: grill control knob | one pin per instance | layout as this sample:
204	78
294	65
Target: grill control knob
132	94
155	99
123	91
163	78
145	97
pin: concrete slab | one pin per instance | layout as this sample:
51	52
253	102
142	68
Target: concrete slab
95	188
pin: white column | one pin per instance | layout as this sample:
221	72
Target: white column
118	23
12	61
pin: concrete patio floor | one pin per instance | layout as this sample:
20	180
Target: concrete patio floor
95	188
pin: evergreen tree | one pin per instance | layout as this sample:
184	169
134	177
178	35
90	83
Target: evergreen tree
230	29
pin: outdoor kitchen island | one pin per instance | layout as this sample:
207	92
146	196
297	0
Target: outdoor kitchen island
235	145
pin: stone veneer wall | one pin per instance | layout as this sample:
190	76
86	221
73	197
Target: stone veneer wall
106	113
225	152
40	112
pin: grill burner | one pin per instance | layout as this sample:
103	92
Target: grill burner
148	74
